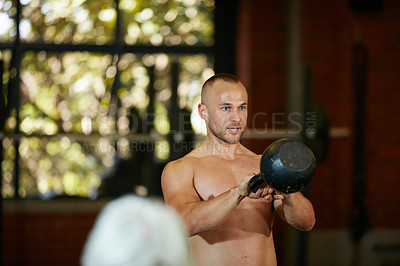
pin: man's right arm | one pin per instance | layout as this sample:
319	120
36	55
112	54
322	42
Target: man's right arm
198	215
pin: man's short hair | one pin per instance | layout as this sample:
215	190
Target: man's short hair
221	76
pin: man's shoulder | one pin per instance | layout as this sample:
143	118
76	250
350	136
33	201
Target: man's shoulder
180	171
185	162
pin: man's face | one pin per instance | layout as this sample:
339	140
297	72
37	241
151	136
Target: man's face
227	111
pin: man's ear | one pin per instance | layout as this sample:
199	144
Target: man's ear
202	111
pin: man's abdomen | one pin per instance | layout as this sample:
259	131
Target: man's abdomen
232	248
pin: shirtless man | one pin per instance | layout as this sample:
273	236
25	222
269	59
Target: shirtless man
228	224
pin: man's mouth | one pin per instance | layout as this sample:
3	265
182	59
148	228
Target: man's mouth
233	129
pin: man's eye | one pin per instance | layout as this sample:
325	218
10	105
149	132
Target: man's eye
242	108
225	108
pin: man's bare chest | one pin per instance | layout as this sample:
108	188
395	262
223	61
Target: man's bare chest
214	176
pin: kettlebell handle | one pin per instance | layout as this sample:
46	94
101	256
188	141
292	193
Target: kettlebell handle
255	182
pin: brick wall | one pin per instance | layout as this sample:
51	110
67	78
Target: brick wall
328	39
329	30
46	233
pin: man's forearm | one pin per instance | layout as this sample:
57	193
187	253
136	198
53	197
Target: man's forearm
206	215
298	211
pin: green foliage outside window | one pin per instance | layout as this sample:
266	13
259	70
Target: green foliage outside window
72	121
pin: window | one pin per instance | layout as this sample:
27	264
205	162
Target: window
98	95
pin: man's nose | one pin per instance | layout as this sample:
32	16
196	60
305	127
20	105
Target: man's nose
235	116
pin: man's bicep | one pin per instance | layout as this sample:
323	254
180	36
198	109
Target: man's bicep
177	185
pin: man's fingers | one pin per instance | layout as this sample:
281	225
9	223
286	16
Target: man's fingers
278	197
263	191
243	186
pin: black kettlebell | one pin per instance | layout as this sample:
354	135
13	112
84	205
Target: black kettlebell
286	165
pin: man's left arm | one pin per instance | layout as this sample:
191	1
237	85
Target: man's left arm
296	210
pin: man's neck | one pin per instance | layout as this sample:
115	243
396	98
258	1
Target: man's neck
220	148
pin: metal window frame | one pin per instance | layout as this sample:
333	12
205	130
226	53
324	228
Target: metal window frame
19	47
